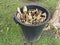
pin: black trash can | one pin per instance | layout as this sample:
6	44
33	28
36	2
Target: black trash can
33	32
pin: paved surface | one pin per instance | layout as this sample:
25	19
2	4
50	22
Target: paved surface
56	20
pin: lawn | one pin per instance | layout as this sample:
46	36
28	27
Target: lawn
11	33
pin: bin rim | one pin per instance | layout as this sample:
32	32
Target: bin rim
32	25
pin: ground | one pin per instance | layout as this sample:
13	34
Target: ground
11	33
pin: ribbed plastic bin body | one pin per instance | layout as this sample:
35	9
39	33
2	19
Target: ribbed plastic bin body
32	34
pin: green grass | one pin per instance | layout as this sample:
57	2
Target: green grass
11	33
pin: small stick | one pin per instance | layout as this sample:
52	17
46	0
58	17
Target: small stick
31	43
24	9
25	43
18	9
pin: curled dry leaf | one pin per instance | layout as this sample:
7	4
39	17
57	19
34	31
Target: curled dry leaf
18	15
44	15
25	9
29	16
26	22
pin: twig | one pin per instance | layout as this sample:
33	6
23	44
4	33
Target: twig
31	43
